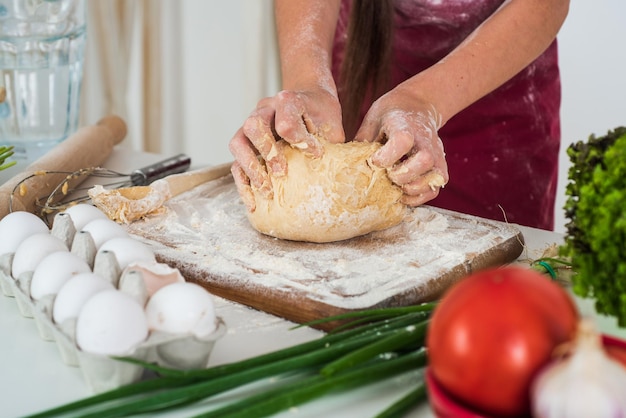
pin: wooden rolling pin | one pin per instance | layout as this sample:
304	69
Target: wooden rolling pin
90	146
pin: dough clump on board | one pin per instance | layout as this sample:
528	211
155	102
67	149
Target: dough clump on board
128	204
336	197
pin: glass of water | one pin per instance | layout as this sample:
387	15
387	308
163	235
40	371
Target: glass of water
41	67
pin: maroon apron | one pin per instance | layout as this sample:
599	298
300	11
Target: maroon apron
502	151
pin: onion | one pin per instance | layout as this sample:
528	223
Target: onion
585	383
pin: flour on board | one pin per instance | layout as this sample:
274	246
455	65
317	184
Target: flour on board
207	228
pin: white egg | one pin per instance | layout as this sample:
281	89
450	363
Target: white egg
128	250
84	213
16	227
75	292
111	323
53	271
102	230
182	308
32	250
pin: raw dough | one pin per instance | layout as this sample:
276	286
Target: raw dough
338	196
128	204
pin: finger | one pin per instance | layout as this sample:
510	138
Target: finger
295	126
370	129
398	145
412	168
242	182
420	199
258	129
433	180
280	149
248	161
333	131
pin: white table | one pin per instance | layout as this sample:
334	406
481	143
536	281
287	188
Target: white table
33	377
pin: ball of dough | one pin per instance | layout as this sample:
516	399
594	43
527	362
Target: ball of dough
338	196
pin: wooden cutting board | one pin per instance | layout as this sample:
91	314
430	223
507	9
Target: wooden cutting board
205	234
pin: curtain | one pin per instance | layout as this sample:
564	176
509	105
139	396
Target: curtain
142	64
123	70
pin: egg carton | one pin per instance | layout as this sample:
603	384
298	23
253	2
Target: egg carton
101	372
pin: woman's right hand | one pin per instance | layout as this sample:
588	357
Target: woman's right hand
298	117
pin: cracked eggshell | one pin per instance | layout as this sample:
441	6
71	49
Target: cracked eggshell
182	308
103	230
53	271
84	213
16	227
128	250
111	323
32	250
155	275
74	294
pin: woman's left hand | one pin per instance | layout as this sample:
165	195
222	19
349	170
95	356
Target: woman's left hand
412	151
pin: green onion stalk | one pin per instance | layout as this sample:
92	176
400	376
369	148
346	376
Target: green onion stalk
5	153
371	346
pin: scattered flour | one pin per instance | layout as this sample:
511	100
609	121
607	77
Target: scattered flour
207	232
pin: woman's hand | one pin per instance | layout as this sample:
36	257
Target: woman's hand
307	108
298	117
412	150
407	118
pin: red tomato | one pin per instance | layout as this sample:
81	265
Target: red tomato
493	331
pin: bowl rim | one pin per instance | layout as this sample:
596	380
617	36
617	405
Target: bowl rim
443	404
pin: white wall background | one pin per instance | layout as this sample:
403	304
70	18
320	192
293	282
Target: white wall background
228	64
593	71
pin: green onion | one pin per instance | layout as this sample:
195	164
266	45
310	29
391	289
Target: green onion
263	405
373	329
373	314
6	152
411	336
210	387
401	407
389	343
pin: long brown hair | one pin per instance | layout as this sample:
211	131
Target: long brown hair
365	67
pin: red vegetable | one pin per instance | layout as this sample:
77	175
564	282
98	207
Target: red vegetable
615	348
493	331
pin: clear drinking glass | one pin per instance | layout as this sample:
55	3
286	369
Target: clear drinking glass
41	66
